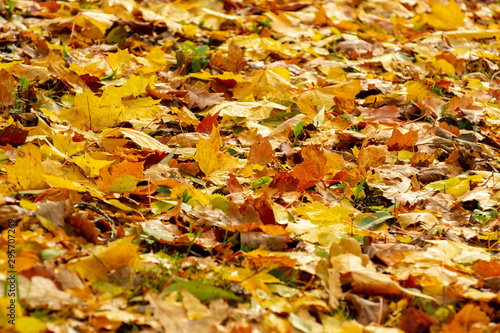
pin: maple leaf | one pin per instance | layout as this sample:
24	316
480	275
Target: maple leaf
208	156
26	173
208	123
99	109
261	153
313	168
234	61
399	141
202	98
445	17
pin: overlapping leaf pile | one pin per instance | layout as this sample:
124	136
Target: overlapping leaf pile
251	166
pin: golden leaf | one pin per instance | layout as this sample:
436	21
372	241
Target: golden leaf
445	17
26	173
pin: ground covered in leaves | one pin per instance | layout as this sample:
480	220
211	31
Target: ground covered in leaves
250	166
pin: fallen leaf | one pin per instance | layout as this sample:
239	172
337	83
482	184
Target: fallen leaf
26	173
446	17
399	141
261	153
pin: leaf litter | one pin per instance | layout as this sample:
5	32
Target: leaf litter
272	166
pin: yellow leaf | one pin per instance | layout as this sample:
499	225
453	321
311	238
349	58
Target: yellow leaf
143	140
119	59
65	144
224	76
9	310
445	17
444	66
59	182
26	203
93	112
29	325
199	196
283	72
189	30
334	73
156	57
103	260
417	91
26	173
207	153
126	183
89	165
249	110
320	214
455	185
137	85
267	82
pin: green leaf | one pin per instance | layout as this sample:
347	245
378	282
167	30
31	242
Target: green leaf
169	156
204	292
112	75
418	293
50	253
298	129
374	220
160	206
299	323
116	36
359	188
124	184
262	181
164	189
12	6
484	217
158	235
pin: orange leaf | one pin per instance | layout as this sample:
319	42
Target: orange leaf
466	318
109	175
312	170
284	181
372	156
487	268
400	141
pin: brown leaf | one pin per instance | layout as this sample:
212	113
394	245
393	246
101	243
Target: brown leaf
452	129
285	181
84	227
12	134
8	88
487	268
261	153
415	321
385	113
368	311
421	159
314	167
372	156
249	137
234	61
263	205
463	321
202	98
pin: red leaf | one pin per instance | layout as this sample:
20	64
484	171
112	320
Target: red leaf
208	123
